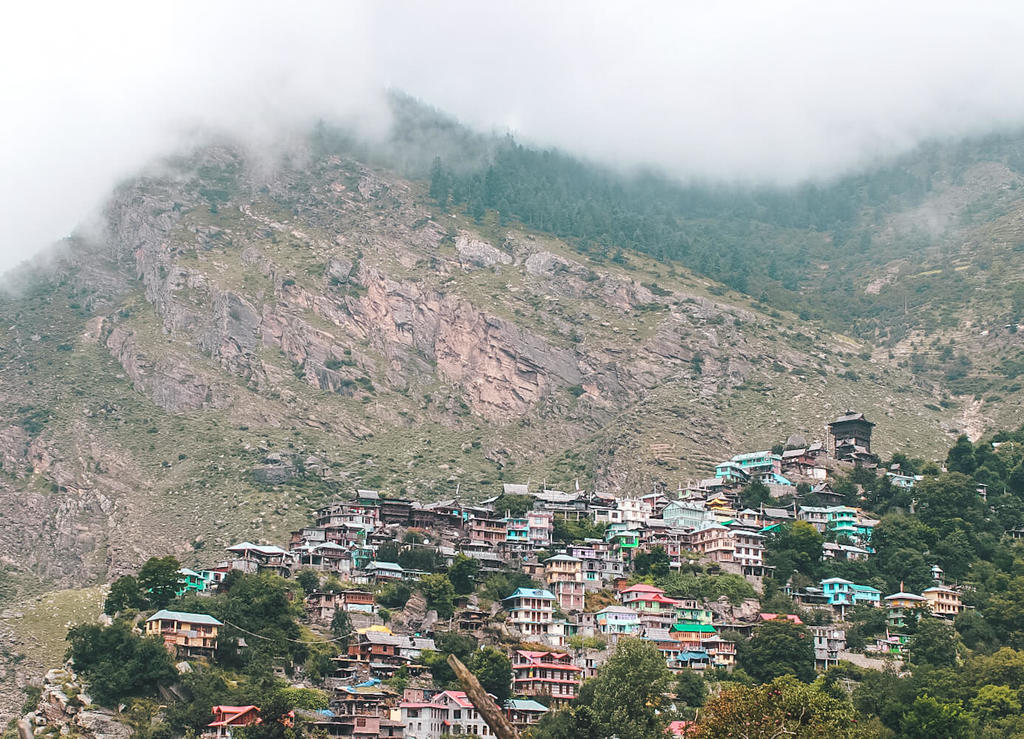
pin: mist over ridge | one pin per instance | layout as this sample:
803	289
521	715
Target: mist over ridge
748	93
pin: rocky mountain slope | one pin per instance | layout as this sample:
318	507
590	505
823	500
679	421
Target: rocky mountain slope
242	340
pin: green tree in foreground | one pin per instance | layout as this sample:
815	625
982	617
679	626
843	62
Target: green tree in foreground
118	663
308	580
626	700
778	648
124	594
440	594
341	628
934	644
494	671
160	581
463	574
783	707
929	719
690	688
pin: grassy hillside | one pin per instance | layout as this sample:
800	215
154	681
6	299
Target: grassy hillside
240	347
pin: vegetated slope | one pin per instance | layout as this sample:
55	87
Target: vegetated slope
237	347
243	341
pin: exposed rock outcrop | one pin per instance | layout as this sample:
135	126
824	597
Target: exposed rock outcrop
65	708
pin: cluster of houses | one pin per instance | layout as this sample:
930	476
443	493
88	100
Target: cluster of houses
582	599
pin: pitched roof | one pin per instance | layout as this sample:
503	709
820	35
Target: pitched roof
851	416
261	548
230	714
390	566
642	587
531	593
525	704
694	628
189	618
905	596
777	616
459	697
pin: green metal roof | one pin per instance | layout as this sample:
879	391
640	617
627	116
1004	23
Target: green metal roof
694	628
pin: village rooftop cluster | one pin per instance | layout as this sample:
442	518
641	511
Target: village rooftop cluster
560	641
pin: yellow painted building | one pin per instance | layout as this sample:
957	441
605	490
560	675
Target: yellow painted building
185	634
943	601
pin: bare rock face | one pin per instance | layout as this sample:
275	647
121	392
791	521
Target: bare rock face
65	708
276	469
476	253
168	380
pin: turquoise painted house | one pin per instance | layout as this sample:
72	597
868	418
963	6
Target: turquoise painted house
840	592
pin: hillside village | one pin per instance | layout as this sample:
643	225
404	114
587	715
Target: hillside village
575	573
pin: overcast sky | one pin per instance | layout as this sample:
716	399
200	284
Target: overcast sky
755	91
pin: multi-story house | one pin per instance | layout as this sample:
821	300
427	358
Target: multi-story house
689	611
624	539
363	511
384	571
641	591
687	514
531	610
523	713
542	528
731	473
721	653
570	506
384	652
840	592
322	606
361	710
829	641
901	606
618	621
564	577
635	512
185	634
814	515
253	558
190	581
714	541
864	528
841	521
326	556
450	712
748	551
489	530
545	674
226	718
601	562
651	605
395	510
943	601
850	438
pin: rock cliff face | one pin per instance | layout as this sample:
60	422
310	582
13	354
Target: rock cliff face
65	708
327	312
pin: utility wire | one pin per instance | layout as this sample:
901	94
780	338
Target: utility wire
294	641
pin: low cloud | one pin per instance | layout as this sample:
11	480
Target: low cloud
759	92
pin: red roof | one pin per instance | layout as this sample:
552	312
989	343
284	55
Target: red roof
773	616
680	728
458	696
234	715
641	587
537	658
